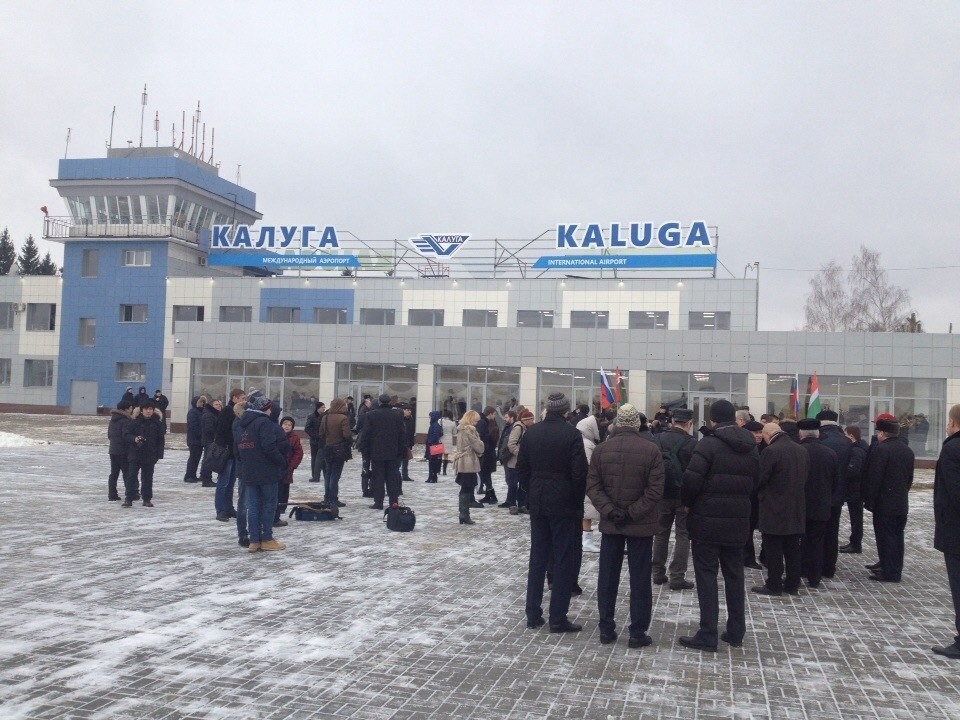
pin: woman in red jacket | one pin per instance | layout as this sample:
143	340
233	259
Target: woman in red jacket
293	462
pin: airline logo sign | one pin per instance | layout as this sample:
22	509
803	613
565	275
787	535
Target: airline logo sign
672	246
438	246
251	247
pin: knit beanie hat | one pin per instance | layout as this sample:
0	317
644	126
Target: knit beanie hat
723	411
257	400
526	415
557	402
628	416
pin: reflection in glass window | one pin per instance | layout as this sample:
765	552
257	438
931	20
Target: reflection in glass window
131	372
133	313
377	316
709	320
41	317
6	316
648	320
89	263
136	258
236	313
38	373
5	366
535	318
460	388
283	314
580	385
425	317
480	318
88	332
596	319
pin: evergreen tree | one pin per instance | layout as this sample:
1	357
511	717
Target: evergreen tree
8	252
28	263
47	266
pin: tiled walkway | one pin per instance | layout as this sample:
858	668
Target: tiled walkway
157	613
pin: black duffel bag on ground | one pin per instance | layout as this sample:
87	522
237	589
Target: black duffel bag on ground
308	511
399	518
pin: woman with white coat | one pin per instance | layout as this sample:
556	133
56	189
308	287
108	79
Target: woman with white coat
590	431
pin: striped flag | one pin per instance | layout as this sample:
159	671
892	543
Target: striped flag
795	397
618	392
607	398
813	409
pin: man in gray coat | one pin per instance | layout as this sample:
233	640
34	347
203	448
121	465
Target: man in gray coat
625	484
784	466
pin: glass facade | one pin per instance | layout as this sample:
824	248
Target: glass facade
919	404
582	385
458	388
295	385
696	391
359	379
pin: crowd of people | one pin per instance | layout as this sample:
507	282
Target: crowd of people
640	482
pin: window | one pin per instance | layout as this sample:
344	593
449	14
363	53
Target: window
648	320
330	316
131	372
236	313
479	318
535	318
90	263
136	258
710	321
153	209
4	371
425	317
6	316
595	319
186	313
377	316
133	313
41	317
283	314
38	373
88	332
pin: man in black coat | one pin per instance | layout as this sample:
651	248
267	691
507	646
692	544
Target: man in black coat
382	441
145	443
781	496
312	429
676	445
858	456
227	477
552	470
409	439
820	486
487	430
946	514
887	482
831	435
717	485
120	420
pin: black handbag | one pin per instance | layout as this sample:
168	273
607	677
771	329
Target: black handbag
215	459
338	451
311	511
399	518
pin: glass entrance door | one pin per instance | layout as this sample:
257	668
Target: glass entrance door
700	404
358	390
878	406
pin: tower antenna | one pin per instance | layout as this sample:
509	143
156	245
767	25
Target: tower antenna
238	173
212	133
112	116
156	126
143	108
203	142
183	126
68	145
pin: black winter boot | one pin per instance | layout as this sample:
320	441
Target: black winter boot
465	510
445	463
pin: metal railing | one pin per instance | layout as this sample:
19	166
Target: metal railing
65	227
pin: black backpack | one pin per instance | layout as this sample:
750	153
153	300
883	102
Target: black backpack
673	470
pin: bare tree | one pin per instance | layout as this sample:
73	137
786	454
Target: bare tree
866	302
828	305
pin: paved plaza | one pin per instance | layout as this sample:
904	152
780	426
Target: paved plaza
157	613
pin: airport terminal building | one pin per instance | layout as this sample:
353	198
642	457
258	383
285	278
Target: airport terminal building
171	281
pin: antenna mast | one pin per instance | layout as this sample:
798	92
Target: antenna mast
68	145
156	126
112	116
212	133
143	108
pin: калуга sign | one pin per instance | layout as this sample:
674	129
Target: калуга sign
240	247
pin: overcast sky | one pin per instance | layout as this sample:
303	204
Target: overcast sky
799	129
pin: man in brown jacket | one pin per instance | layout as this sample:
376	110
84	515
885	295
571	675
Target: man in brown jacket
625	483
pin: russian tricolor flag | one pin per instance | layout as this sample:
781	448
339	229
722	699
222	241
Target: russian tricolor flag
607	396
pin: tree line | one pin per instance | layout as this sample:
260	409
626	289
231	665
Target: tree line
27	261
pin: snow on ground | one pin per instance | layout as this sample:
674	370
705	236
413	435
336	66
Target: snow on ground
13	440
157	613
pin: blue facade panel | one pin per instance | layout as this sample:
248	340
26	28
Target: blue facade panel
141	168
306	299
100	297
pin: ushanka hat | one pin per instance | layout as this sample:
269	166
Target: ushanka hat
892	427
682	415
557	402
808	424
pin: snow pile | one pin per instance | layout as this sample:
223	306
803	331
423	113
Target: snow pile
13	440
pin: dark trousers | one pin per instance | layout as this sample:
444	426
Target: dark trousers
889	532
365	475
384	478
314	449
812	551
749	550
283	494
559	536
145	471
831	542
206	473
855	508
404	468
433	464
953	576
639	562
486	480
707	559
193	462
118	466
782	551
